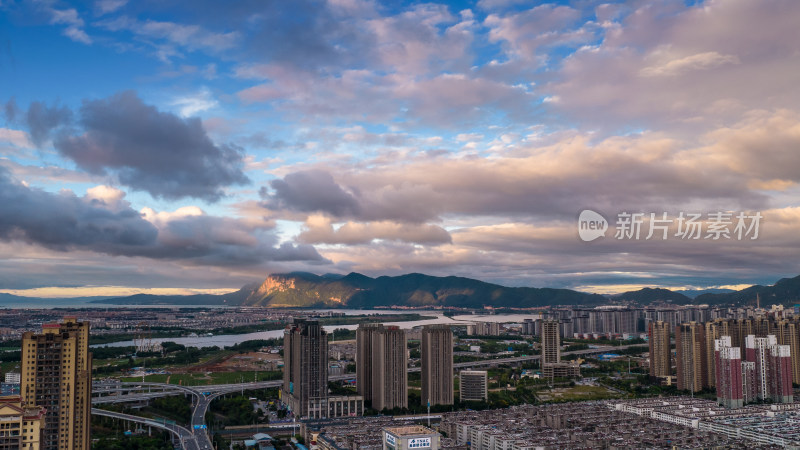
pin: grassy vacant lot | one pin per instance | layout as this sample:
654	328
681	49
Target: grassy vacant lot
200	379
576	393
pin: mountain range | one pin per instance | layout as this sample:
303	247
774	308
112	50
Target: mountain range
301	289
306	290
415	290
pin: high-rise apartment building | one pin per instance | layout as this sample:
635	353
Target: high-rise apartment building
729	382
551	343
20	425
765	373
660	353
690	356
780	374
757	351
305	369
529	327
740	329
436	354
389	369
365	337
483	329
773	368
473	385
788	333
714	330
56	374
381	366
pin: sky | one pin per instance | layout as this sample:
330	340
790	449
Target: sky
180	147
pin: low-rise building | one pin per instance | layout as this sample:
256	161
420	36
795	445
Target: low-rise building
21	425
410	437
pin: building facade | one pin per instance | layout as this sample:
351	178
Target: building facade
305	369
660	360
551	342
56	374
411	437
21	425
365	336
765	373
729	381
473	385
436	354
389	369
690	357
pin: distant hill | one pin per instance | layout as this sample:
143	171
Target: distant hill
360	291
149	299
786	290
233	298
650	295
694	293
34	302
10	298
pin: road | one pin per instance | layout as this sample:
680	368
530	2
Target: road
188	439
202	396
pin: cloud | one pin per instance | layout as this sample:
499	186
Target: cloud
103	222
666	67
108	6
763	146
17	138
320	230
10	110
74	24
64	221
554	179
190	235
491	5
311	191
167	37
150	150
45	173
699	61
42	120
524	34
190	105
550	254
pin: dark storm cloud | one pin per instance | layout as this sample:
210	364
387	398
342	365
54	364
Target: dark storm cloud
150	150
311	191
220	241
64	221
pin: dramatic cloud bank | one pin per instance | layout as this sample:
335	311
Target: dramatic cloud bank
217	142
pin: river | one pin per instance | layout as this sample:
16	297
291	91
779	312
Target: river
227	340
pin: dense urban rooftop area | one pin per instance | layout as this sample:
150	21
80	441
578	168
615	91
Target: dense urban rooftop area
588	425
776	424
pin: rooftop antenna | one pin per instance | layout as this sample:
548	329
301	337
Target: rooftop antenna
429	412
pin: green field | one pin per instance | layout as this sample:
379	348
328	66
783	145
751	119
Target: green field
200	379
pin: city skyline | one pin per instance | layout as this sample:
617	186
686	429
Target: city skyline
197	148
